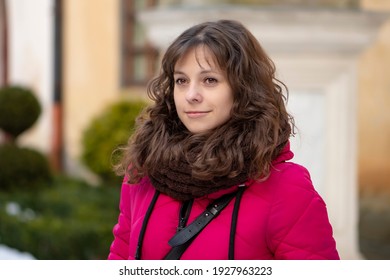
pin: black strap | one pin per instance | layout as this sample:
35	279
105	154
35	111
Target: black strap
184	214
234	221
212	210
144	224
182	239
176	252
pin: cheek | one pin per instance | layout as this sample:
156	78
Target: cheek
176	101
228	102
225	108
178	105
228	111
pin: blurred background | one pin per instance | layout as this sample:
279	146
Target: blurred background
72	81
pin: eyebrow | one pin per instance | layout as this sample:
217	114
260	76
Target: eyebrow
202	72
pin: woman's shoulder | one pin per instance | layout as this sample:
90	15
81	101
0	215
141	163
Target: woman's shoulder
142	188
286	179
291	173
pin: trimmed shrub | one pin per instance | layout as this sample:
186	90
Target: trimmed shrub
23	168
19	110
107	132
69	221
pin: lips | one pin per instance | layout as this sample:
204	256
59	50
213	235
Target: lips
196	114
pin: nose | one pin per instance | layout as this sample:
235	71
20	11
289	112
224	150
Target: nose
193	94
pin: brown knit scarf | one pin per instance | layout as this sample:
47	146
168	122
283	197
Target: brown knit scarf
177	182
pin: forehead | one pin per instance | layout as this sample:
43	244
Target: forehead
200	54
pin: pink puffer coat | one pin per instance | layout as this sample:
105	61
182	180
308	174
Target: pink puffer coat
281	218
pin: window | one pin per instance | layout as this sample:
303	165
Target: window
138	58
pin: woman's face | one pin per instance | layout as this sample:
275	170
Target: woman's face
202	94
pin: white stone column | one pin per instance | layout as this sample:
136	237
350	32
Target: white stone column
30	33
326	140
315	53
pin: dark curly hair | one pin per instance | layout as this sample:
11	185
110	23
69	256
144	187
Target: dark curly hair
255	134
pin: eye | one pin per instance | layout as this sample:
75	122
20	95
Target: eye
180	81
210	81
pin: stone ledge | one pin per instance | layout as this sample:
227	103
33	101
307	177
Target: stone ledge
316	30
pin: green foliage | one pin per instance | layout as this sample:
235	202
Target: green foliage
107	132
19	109
23	168
70	221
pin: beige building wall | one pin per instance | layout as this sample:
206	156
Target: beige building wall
373	108
91	68
378	5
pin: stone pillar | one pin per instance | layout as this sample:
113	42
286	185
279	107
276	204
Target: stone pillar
30	61
315	53
326	140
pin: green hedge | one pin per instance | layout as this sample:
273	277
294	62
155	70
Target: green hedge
23	168
106	132
71	220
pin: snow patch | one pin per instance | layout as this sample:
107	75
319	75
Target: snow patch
7	253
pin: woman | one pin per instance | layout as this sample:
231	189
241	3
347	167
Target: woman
209	160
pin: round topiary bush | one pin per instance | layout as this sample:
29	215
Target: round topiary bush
19	109
23	168
107	132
